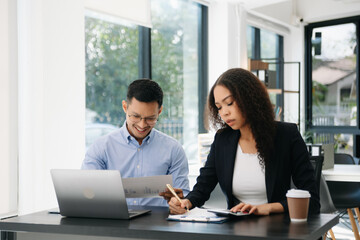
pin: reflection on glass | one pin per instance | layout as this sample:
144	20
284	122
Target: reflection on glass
269	46
334	75
250	41
174	52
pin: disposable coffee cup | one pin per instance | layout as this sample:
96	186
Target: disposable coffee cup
298	203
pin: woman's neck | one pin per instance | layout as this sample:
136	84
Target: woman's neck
246	133
247	141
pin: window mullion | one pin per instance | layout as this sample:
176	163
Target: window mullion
202	65
144	52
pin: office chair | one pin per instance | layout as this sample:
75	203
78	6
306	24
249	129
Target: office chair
317	163
346	195
327	205
343	158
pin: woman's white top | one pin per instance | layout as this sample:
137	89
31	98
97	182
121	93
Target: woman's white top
249	179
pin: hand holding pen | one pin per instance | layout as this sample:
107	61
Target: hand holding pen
177	205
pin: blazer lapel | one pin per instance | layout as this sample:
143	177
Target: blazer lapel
270	177
230	149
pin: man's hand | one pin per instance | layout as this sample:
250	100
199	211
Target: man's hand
167	195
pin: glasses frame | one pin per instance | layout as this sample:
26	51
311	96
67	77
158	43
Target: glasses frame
141	118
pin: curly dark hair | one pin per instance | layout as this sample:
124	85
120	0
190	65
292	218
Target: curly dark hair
252	97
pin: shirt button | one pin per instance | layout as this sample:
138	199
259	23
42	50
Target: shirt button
137	166
134	201
138	149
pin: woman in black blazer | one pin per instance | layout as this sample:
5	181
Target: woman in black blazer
250	151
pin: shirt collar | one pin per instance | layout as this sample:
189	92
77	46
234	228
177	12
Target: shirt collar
130	138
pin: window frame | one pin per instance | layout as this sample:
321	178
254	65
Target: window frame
145	61
354	130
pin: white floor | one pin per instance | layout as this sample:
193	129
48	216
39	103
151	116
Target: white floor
343	230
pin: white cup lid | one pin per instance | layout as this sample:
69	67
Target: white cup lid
296	193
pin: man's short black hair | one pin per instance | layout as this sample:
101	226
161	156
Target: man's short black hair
145	90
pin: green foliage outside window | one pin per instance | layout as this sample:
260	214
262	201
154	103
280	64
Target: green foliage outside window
111	64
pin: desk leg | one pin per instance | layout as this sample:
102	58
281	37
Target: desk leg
8	235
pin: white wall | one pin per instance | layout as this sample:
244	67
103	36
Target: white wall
219	54
321	10
8	108
226	38
51	96
310	10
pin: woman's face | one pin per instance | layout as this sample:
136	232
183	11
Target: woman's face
228	109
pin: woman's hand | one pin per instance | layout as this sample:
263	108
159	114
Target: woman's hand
263	209
176	207
167	195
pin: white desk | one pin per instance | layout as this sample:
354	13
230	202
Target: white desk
343	173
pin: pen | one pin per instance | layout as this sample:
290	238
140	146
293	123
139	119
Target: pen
175	195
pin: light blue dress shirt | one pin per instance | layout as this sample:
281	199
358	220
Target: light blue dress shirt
159	154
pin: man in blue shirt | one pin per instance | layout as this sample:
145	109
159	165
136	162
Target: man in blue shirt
137	149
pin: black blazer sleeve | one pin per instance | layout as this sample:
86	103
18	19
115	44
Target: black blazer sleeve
206	181
218	168
303	172
290	159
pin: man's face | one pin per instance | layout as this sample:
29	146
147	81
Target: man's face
140	117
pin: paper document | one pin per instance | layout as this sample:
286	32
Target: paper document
198	215
146	187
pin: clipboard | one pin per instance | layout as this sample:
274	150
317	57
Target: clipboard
200	215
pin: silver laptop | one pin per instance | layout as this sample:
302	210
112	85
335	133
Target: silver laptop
91	193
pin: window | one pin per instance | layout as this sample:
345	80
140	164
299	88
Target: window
268	47
175	65
112	51
269	44
171	53
250	34
264	44
334	75
332	82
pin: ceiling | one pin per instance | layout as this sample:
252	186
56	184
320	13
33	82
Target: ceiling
250	4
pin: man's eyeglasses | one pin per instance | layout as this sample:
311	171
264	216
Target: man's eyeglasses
137	118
